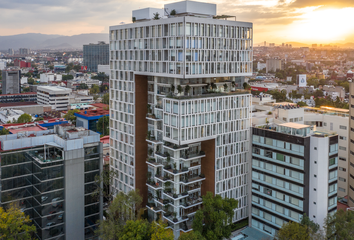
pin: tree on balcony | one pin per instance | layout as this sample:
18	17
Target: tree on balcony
216	214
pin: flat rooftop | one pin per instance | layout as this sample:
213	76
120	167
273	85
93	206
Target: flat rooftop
93	113
16	94
54	88
18	104
294	125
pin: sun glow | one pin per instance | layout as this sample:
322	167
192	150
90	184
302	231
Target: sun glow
323	26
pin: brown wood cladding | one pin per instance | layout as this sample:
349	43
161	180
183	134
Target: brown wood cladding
208	166
141	128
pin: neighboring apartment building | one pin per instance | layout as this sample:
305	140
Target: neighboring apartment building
334	120
194	140
24	51
49	174
294	172
95	54
19	97
56	96
11	82
351	146
272	65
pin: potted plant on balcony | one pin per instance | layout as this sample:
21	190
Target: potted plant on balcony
202	175
173	88
179	89
175	168
201	153
165	201
174	217
148	135
150	151
187	88
225	87
157	172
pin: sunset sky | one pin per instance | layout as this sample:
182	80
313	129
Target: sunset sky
306	21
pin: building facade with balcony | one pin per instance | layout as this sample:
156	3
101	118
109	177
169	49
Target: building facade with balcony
294	172
179	121
56	96
50	176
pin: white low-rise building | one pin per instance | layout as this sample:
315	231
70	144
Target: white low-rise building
50	77
56	96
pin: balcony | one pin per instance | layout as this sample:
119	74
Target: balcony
174	147
192	179
192	156
156	186
152	117
191	202
175	196
154	162
175	220
155	208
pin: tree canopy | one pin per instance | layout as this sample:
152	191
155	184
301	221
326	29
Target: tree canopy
82	86
24	118
4	131
124	208
70	115
103	125
340	225
216	214
191	236
14	224
105	98
95	89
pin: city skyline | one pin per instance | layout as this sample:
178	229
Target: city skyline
274	20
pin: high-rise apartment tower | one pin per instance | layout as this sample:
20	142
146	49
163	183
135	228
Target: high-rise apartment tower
179	119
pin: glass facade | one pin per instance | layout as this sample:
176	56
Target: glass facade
92	204
96	54
33	180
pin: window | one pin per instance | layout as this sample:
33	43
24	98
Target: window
342	138
280	157
342	159
280	170
268	153
332	161
342	179
256	150
268	217
342	148
294	201
255	211
280	196
295	161
269	141
342	127
268	191
255	199
279	209
342	169
341	189
255	138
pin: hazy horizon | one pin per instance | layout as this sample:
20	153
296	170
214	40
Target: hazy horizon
275	21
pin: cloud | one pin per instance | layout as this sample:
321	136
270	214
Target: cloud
270	18
327	3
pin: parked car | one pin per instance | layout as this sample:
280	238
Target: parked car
50	224
55	201
60	217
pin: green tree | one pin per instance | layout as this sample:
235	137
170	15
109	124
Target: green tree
191	236
51	67
27	89
82	86
4	131
24	118
301	104
70	115
216	214
179	89
67	77
95	89
105	98
123	208
246	86
292	231
104	181
77	68
158	231
30	81
103	125
15	225
138	230
340	225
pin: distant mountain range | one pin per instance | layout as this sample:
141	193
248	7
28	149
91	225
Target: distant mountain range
45	41
297	44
